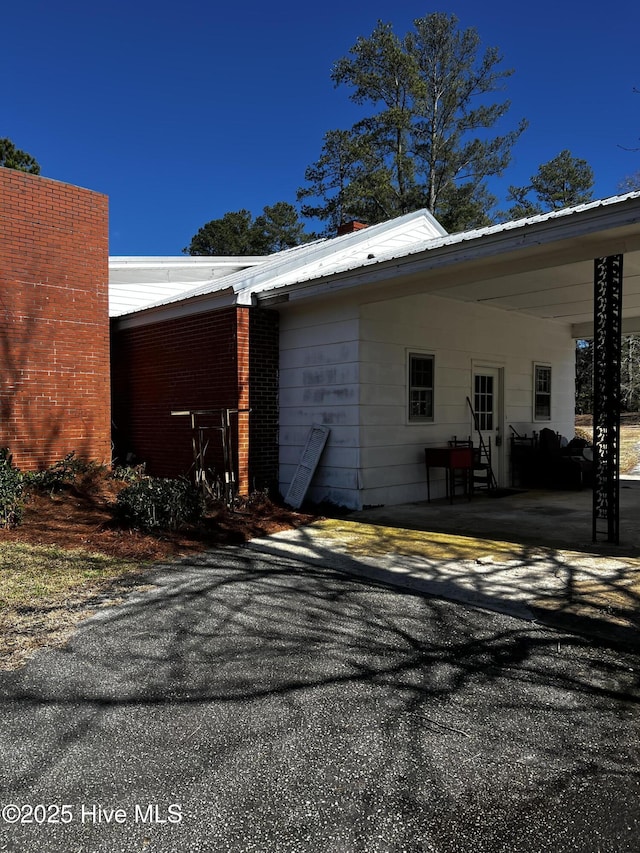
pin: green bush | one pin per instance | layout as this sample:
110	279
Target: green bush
160	504
11	490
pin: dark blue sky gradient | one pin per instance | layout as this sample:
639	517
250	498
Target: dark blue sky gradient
183	111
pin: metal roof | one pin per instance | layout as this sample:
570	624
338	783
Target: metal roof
522	229
316	258
541	265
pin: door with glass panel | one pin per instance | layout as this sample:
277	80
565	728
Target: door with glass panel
487	406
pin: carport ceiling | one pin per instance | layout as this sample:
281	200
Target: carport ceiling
545	270
563	293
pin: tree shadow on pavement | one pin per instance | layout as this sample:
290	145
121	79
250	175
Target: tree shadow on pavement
242	653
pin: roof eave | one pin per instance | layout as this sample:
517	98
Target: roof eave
528	241
179	308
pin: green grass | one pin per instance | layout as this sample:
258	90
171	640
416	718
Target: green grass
33	574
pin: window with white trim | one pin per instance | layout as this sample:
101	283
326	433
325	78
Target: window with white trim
541	392
420	386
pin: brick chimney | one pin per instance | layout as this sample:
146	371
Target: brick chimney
350	227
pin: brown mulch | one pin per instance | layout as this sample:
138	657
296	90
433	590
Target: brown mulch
83	516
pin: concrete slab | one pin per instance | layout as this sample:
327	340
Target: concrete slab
528	555
547	518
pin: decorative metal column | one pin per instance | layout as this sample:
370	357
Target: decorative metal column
606	396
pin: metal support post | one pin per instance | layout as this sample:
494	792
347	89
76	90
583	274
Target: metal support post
607	344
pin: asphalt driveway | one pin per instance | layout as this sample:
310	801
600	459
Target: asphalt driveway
249	702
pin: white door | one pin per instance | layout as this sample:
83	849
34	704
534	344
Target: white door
487	406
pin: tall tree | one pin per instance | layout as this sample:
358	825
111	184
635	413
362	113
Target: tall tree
630	373
346	182
237	233
426	141
453	144
230	235
279	227
382	73
564	181
13	158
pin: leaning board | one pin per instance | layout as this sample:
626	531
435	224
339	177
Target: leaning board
311	454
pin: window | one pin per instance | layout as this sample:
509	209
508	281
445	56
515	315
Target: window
542	393
483	400
420	387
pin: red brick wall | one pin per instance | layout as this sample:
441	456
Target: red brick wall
243	346
202	361
54	327
179	364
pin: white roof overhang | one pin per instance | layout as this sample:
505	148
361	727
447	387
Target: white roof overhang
147	290
222	298
543	266
136	283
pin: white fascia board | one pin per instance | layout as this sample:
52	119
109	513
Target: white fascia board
591	211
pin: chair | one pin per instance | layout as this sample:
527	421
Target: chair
559	468
481	475
463	476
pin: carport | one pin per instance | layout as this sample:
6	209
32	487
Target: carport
498	305
579	267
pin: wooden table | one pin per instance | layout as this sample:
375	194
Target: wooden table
453	459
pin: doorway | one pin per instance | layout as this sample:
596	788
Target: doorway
486	399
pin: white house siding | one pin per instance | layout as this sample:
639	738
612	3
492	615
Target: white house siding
345	365
319	383
459	335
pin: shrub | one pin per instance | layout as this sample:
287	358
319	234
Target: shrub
156	504
61	473
128	473
11	489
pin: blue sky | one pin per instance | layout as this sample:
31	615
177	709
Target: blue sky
180	112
